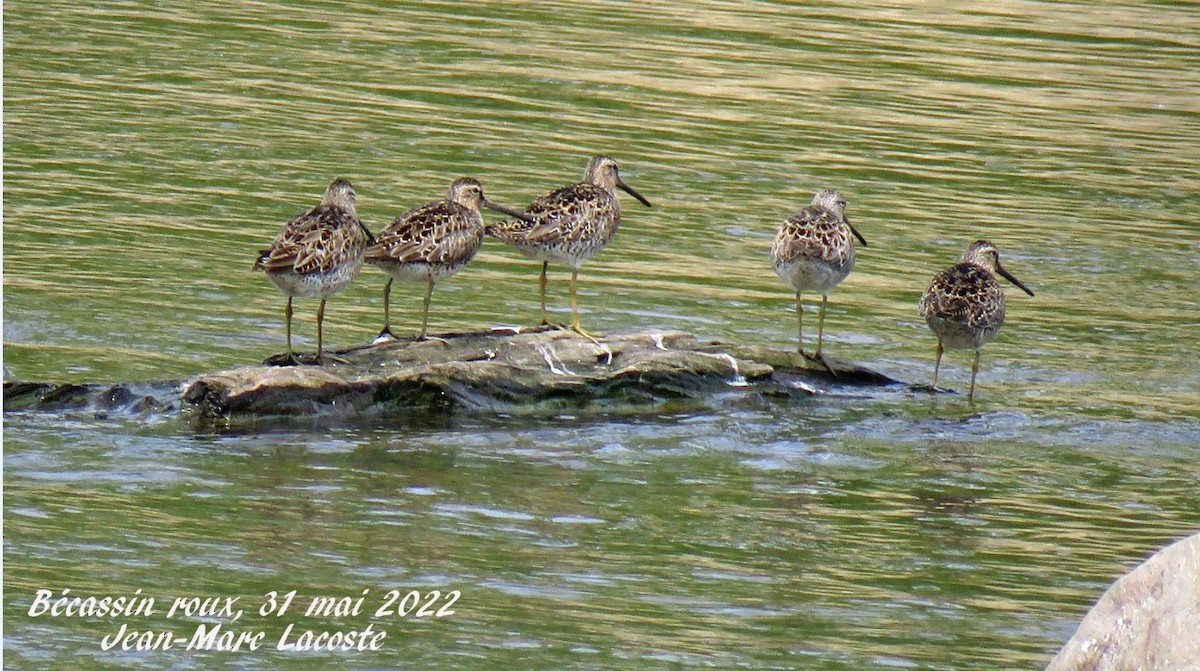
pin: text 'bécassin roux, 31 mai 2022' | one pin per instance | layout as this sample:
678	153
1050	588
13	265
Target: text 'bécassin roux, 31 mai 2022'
219	635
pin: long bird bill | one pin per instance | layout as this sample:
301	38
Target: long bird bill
631	191
1008	276
854	230
508	210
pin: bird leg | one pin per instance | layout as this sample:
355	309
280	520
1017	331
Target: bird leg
799	326
576	326
937	363
974	372
821	326
320	330
387	320
542	285
290	360
425	318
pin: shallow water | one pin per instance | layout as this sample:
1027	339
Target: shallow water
151	150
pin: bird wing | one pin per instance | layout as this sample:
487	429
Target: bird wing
964	293
813	232
442	232
316	241
509	230
568	214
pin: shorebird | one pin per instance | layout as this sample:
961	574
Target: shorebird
813	252
317	253
964	304
570	224
432	242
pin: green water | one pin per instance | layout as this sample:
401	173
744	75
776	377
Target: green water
152	148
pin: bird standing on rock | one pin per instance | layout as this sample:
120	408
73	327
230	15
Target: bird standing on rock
317	253
432	242
570	224
813	251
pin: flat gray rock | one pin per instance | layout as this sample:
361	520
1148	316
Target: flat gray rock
545	369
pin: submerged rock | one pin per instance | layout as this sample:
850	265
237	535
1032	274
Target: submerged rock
1149	619
124	399
499	371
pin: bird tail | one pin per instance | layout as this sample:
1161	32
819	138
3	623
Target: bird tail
508	230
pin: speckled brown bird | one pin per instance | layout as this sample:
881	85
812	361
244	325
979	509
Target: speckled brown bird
432	242
813	251
317	253
964	304
570	224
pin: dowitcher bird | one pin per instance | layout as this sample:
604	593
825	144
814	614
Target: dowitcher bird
570	225
432	242
813	252
317	253
964	304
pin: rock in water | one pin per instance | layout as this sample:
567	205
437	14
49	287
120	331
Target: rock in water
1149	619
541	370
